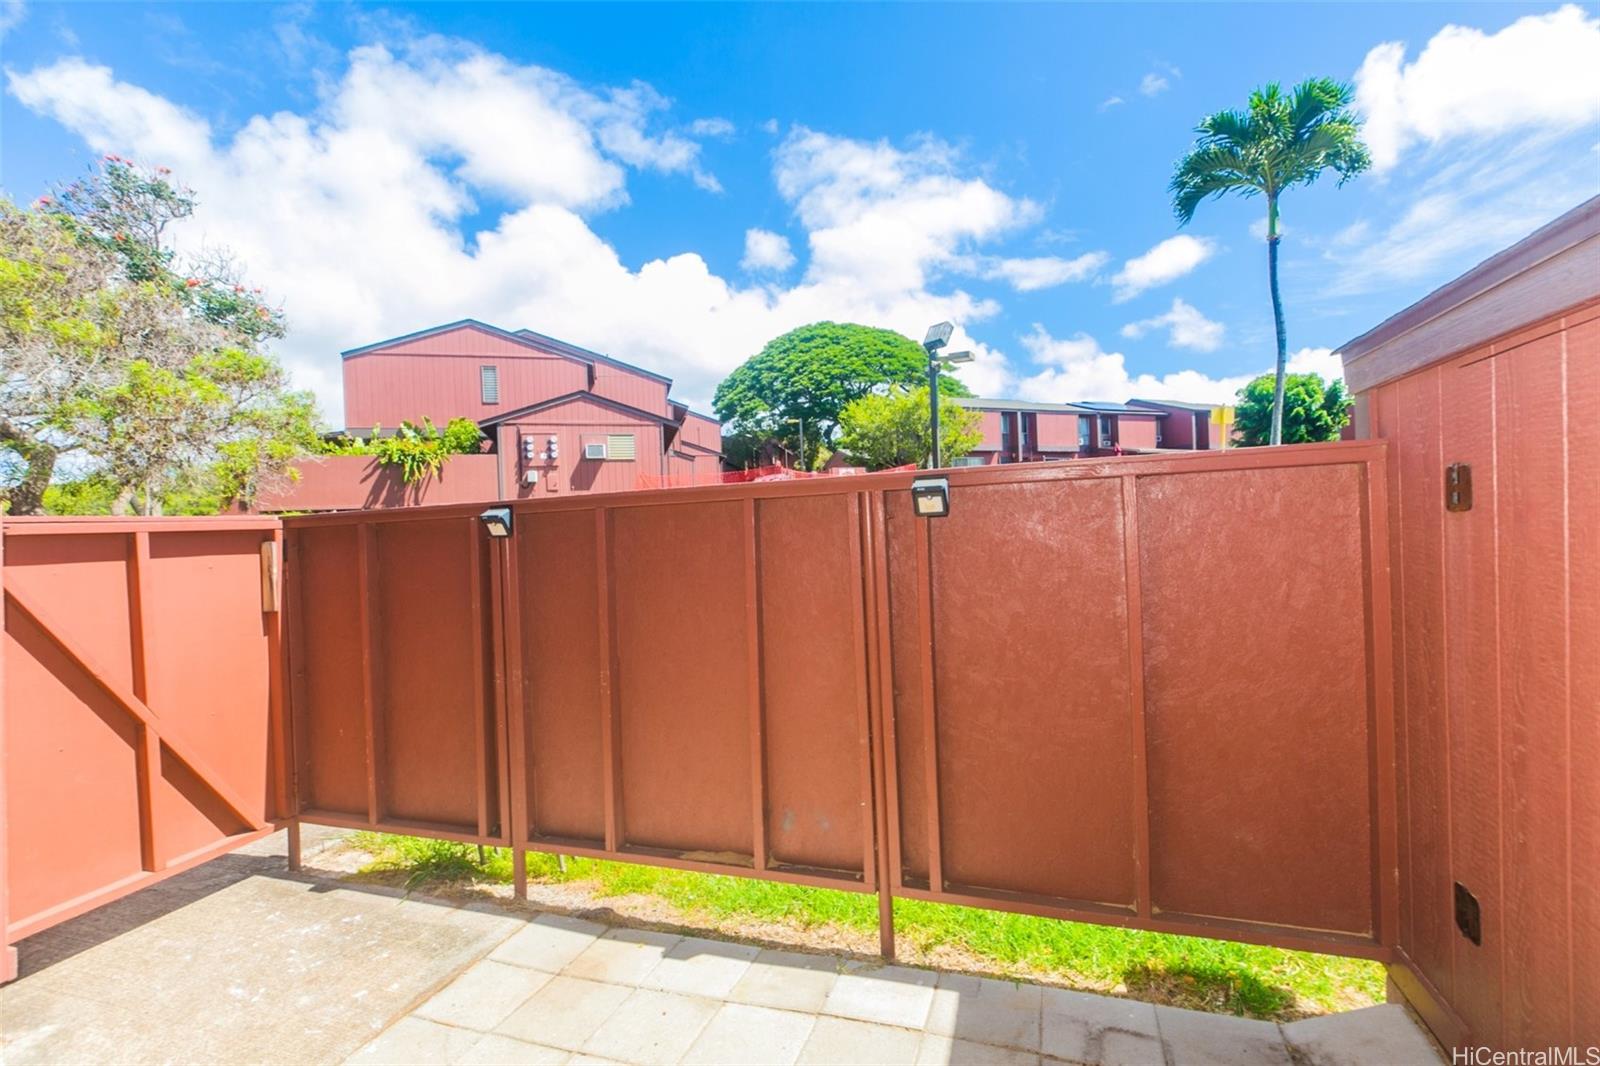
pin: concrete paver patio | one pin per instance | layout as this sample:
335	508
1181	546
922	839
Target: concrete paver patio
240	962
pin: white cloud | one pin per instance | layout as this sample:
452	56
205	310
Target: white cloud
765	250
404	143
1111	101
712	127
1460	212
1186	328
1043	272
1153	83
11	13
1354	233
888	218
1166	262
1320	361
770	126
1541	71
1078	368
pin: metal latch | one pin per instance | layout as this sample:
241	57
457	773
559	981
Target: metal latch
269	576
1458	487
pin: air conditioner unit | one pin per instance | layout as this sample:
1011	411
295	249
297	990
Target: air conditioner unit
594	451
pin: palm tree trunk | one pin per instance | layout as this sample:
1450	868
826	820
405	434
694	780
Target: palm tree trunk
1277	319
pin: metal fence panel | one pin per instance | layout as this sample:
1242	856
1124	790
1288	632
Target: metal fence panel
142	709
1140	691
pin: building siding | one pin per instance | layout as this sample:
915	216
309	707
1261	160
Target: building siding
574	424
635	390
385	387
1496	645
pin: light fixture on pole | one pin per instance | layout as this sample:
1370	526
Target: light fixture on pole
938	336
802	424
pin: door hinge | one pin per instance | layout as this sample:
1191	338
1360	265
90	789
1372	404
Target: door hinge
1458	487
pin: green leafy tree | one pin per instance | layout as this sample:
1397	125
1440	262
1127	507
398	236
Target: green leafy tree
196	428
1277	142
1312	410
146	369
811	374
891	428
59	319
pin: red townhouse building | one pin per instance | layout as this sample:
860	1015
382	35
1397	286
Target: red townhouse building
559	418
1025	431
1191	426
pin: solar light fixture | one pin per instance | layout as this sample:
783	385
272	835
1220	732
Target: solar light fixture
930	497
955	357
497	520
938	336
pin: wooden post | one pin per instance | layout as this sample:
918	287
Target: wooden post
8	954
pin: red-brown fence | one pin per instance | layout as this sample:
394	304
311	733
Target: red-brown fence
139	708
1147	691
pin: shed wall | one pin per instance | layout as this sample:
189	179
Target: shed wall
1497	686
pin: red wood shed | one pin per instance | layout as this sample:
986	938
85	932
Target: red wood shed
1488	392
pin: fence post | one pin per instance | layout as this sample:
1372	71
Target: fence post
879	688
292	700
505	637
8	954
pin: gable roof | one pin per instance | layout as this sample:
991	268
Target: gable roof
1551	269
977	403
527	338
575	352
1103	407
1180	404
581	394
448	327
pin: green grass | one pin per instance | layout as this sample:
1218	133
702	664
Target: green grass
1220	975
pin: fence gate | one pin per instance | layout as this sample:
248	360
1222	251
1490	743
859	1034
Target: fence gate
141	732
1141	691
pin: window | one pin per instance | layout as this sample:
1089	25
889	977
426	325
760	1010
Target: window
489	383
968	460
1105	431
1158	431
1026	437
1083	431
1005	429
620	446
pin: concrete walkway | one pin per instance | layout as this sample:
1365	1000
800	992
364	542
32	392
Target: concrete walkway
238	962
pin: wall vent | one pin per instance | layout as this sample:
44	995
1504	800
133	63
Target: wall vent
620	446
489	383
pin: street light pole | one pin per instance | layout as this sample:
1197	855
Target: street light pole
938	336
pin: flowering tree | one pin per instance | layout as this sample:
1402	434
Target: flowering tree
147	367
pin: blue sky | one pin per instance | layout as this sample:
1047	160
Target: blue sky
676	184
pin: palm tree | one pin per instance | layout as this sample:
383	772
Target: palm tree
1276	143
